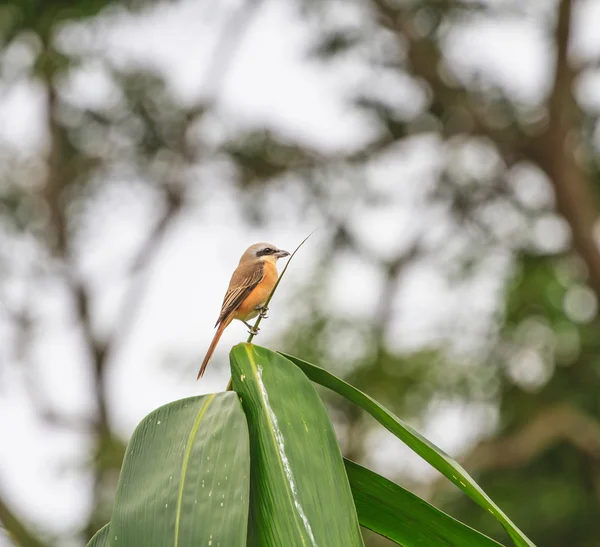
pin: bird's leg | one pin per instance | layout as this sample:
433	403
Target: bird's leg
252	329
263	311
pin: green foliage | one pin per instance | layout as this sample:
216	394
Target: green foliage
300	492
185	478
266	470
396	513
427	450
537	322
101	538
153	137
42	16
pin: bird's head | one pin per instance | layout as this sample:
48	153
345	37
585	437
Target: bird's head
265	252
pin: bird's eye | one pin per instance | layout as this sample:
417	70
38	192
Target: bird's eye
268	250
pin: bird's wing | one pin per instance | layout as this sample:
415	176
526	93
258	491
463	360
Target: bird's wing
243	281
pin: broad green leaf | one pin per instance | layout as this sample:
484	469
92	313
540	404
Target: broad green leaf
300	492
396	513
185	478
427	450
101	537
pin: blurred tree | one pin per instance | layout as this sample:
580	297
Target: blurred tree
541	343
508	199
44	198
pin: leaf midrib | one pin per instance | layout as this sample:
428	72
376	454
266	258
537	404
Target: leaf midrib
186	458
287	489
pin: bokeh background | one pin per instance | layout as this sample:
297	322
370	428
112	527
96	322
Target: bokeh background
447	155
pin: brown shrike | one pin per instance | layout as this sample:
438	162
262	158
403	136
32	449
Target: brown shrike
249	288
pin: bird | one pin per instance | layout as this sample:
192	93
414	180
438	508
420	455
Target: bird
250	286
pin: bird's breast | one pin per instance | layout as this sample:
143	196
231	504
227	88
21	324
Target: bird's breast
260	293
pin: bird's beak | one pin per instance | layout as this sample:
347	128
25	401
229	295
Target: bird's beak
281	253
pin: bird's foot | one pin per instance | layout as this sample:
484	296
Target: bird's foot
251	328
263	311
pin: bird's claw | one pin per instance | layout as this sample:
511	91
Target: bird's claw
263	312
253	330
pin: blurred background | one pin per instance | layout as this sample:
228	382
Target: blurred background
447	154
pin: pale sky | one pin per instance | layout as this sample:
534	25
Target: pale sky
269	84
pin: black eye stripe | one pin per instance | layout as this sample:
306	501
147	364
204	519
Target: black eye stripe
266	251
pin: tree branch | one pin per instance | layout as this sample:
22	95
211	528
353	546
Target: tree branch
17	531
550	426
574	197
555	150
426	59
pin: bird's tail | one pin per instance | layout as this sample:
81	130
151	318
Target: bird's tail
213	345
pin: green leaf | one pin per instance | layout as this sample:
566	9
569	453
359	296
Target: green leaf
101	537
396	513
185	478
300	491
427	450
